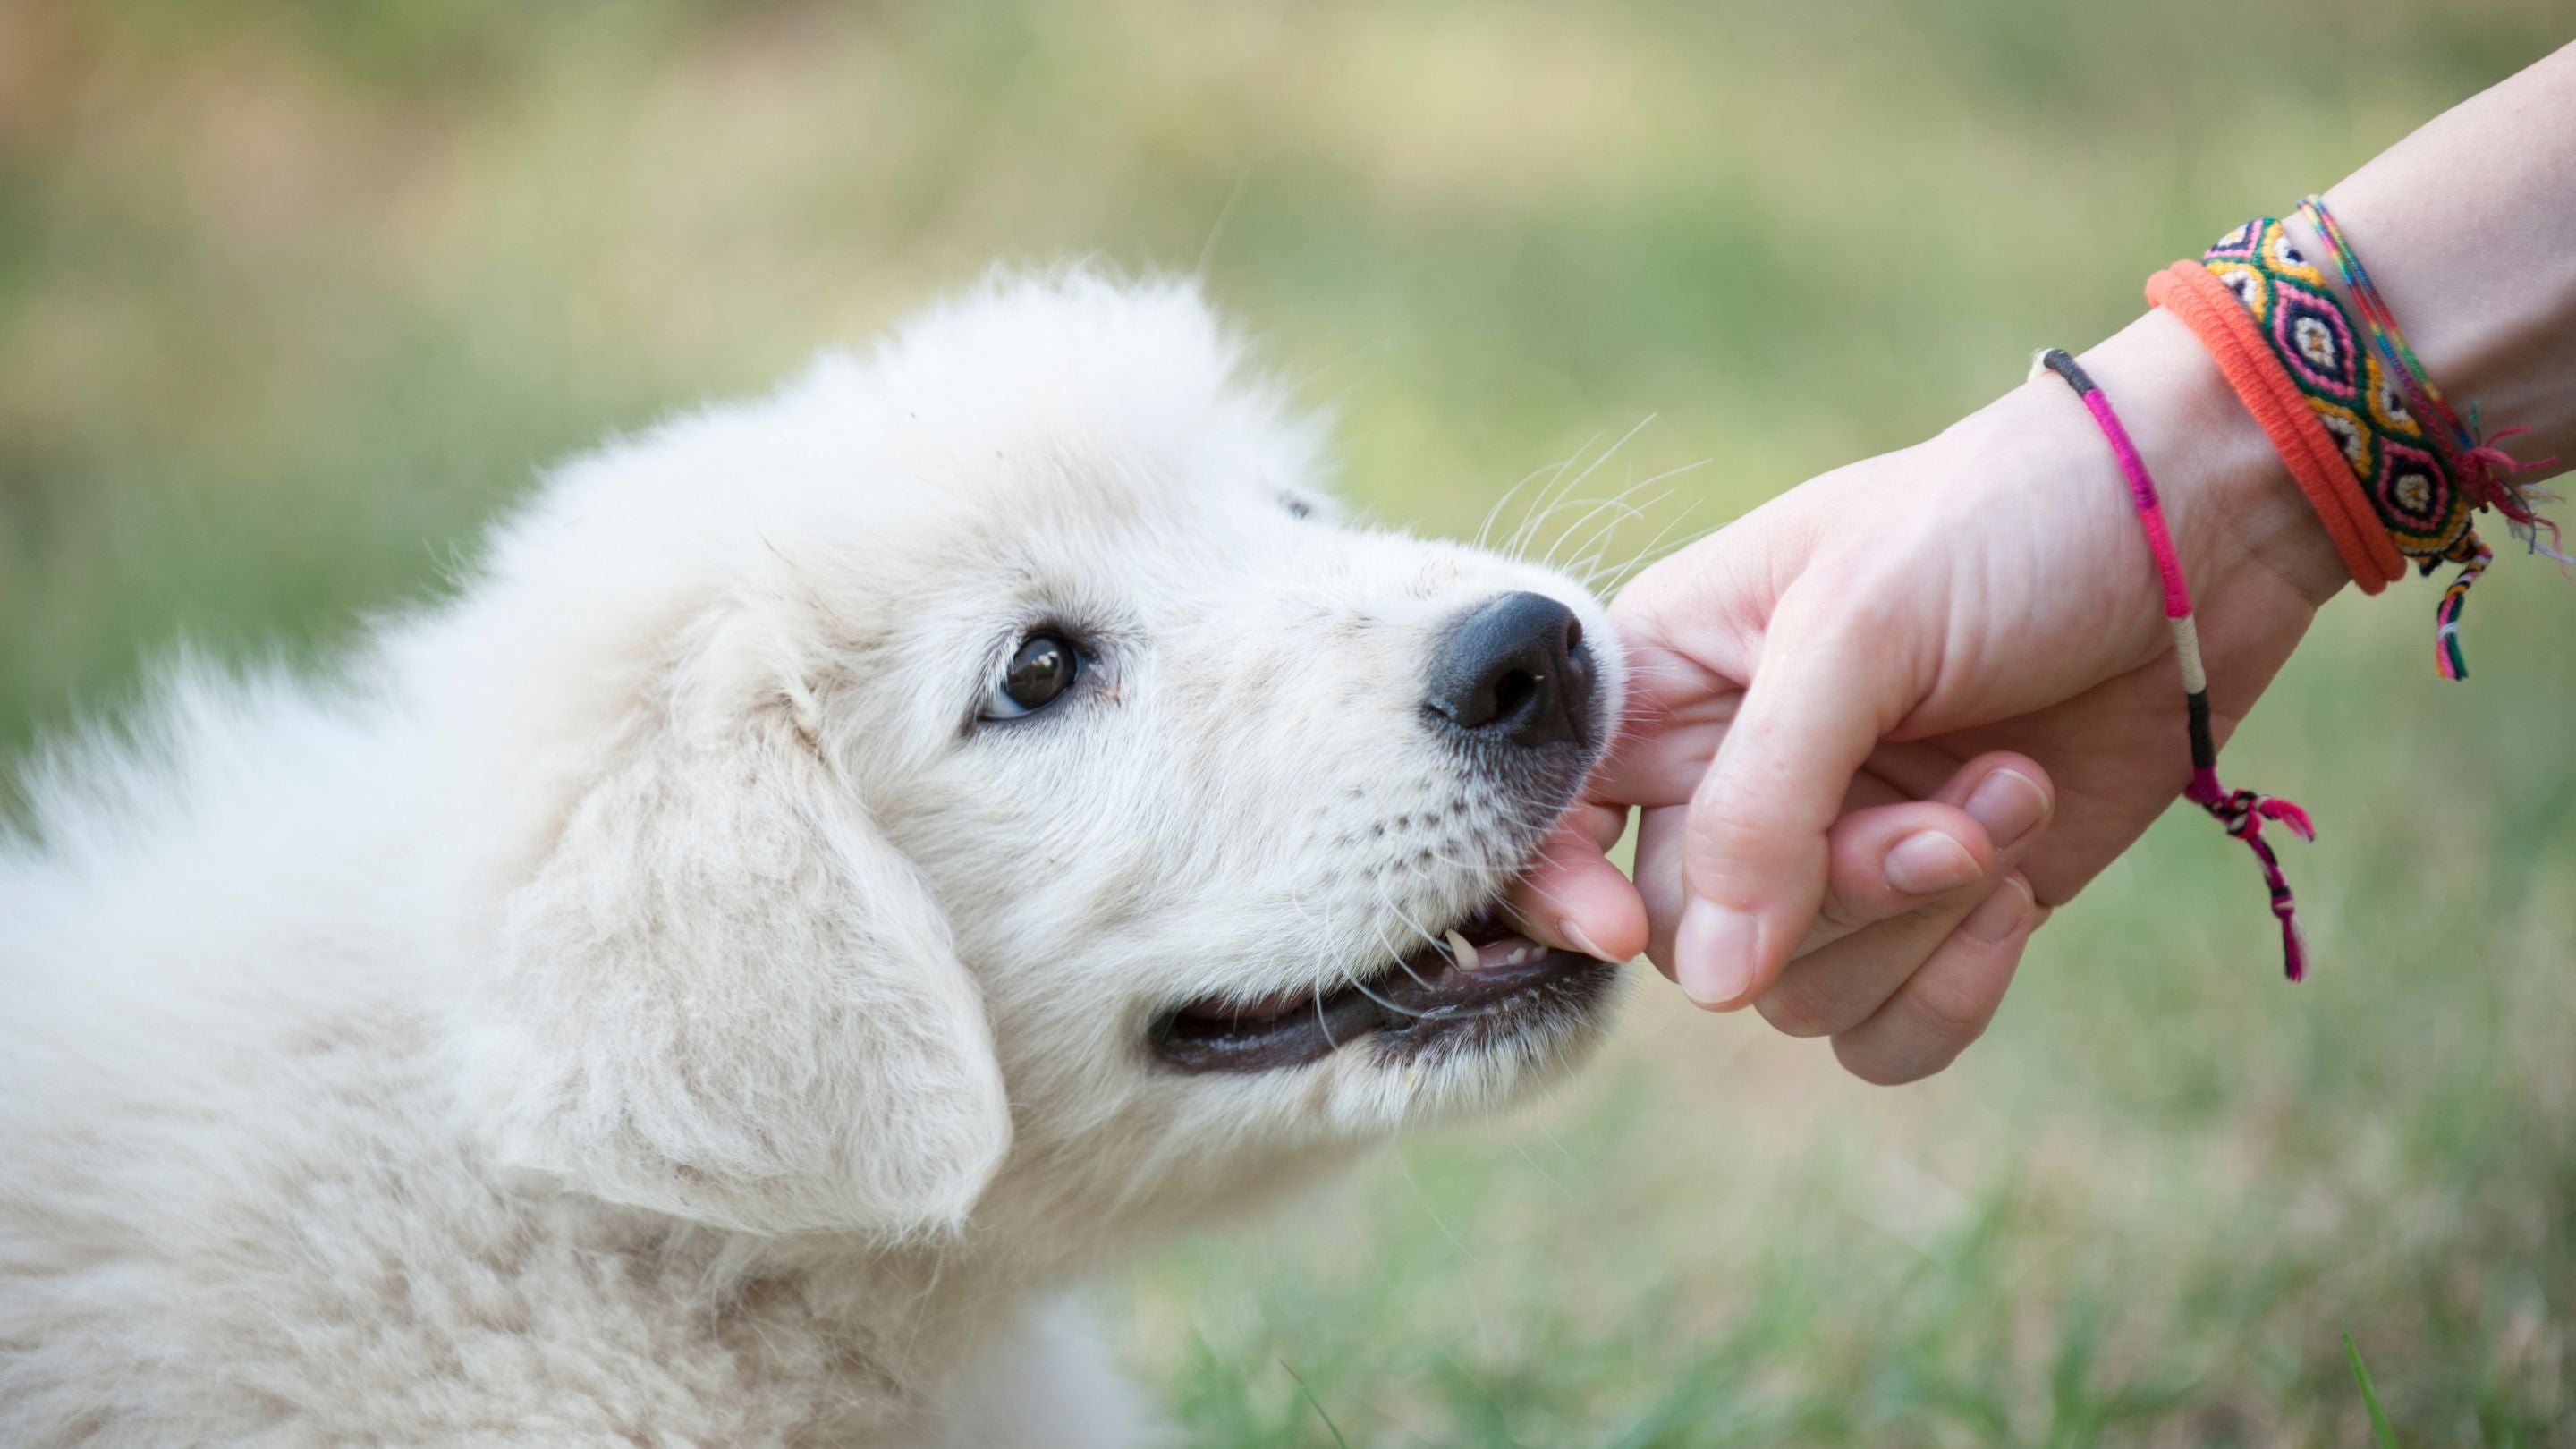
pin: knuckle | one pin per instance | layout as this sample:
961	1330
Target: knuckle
1846	913
1718	831
1954	1013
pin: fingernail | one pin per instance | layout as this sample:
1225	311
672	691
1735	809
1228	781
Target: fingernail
1999	915
2009	804
1928	862
1713	953
1575	937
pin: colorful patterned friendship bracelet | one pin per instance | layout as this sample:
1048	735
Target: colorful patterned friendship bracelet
2482	471
2240	812
2408	475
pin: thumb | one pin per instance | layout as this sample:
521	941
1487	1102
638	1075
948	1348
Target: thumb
1754	854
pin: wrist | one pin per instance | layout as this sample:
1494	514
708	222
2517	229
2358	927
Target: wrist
2239	521
2256	558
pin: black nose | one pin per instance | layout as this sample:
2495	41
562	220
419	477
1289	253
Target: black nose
1515	671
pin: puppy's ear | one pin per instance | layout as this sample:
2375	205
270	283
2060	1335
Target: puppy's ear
720	993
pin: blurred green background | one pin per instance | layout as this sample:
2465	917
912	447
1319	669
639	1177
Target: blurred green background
293	294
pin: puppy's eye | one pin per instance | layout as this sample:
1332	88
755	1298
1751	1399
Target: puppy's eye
1296	506
1044	667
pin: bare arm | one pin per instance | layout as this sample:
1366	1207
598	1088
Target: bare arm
1875	634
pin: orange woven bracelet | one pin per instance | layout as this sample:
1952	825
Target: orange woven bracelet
2203	303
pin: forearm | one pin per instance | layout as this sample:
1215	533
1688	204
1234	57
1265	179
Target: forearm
2469	230
2468	227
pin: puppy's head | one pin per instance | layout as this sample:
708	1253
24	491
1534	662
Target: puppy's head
989	779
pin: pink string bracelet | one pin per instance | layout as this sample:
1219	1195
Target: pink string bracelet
2240	812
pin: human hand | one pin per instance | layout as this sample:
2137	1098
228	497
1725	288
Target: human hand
1885	722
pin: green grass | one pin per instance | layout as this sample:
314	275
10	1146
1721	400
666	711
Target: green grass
2379	1430
293	295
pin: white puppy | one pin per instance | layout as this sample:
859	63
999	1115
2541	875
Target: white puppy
843	865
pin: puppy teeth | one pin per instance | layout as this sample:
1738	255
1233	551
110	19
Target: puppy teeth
1461	951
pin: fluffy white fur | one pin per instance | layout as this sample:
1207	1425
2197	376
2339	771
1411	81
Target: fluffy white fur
633	1005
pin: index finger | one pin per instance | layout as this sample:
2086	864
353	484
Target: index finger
1574	898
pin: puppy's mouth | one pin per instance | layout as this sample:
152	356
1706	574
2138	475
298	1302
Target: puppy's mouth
1500	986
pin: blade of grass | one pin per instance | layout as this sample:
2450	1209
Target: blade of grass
2369	1397
1318	1406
